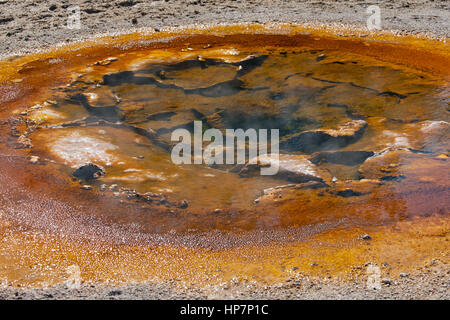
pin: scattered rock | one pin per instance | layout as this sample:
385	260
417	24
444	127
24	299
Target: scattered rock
320	57
48	102
34	159
365	237
403	275
148	199
161	74
183	204
386	281
106	61
89	172
23	142
130	195
36	107
86	187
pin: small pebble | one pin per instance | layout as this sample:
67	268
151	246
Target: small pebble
34	159
320	57
184	204
86	187
114	293
366	237
132	195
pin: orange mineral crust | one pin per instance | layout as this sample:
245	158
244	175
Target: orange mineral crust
364	140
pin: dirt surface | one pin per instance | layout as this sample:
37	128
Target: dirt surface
26	26
429	282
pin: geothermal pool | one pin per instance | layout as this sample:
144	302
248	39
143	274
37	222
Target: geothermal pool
86	137
352	131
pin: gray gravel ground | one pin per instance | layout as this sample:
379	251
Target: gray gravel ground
27	25
427	284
